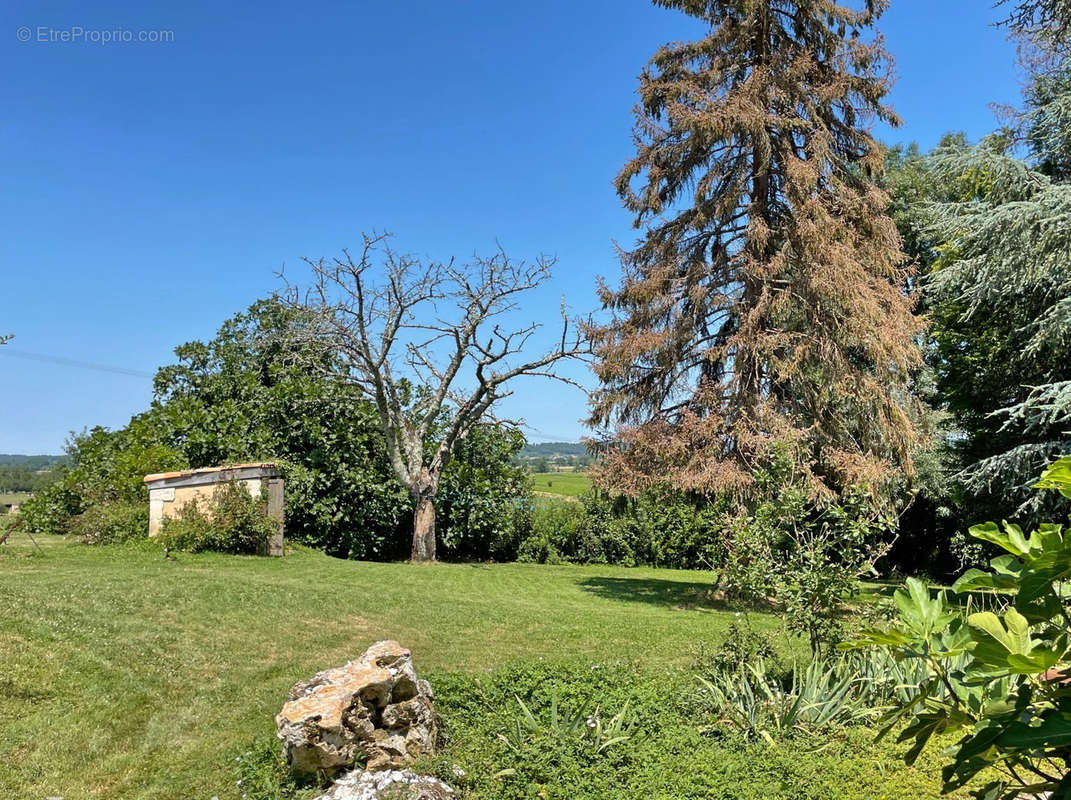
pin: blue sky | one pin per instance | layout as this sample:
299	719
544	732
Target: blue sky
151	190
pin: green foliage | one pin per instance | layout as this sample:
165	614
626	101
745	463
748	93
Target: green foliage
482	500
665	529
540	727
995	678
989	232
51	510
558	532
584	725
233	521
667	754
261	772
27	479
249	395
824	695
801	555
101	495
741	646
111	523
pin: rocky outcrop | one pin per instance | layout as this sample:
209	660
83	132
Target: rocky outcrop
389	785
373	710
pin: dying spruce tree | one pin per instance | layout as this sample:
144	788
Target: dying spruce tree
765	300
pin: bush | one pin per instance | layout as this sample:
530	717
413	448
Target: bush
483	500
51	510
802	555
585	532
673	530
658	530
232	522
742	645
112	523
823	696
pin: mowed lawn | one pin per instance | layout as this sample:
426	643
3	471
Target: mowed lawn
569	484
123	675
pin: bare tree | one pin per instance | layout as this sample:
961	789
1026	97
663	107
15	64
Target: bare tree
428	343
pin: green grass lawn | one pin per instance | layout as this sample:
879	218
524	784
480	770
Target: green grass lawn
123	675
569	484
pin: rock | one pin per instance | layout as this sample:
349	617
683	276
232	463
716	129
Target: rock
375	708
389	785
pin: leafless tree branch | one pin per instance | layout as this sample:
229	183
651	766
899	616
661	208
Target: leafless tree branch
410	333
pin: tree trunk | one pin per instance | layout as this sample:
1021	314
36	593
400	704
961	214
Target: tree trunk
423	525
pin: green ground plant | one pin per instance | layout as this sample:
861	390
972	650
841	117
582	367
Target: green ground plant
823	695
671	750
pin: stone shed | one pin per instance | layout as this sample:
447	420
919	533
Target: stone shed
169	492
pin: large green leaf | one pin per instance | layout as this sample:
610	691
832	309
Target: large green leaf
921	613
989	532
1004	644
976	579
1053	731
1058	477
1012	633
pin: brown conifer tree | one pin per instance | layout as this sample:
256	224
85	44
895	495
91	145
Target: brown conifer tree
765	301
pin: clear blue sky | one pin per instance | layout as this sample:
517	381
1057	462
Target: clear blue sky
150	190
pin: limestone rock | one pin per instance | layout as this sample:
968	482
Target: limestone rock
375	708
388	785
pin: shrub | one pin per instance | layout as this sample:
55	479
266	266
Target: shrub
741	646
559	530
233	521
668	529
662	530
800	554
112	523
51	510
483	500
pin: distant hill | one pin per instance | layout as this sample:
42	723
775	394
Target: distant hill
550	456
552	450
30	462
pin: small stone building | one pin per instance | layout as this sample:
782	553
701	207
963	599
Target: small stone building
169	492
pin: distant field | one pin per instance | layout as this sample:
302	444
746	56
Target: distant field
570	484
12	497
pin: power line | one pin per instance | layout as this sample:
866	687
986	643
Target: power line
72	362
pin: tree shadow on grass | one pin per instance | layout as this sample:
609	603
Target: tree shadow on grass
682	595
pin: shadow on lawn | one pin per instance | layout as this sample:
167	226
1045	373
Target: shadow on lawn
671	594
